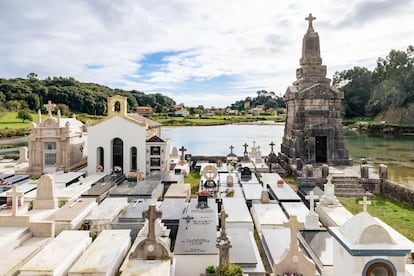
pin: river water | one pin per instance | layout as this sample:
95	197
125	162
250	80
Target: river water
397	153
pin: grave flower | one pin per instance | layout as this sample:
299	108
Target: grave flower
280	183
117	169
229	192
99	168
203	193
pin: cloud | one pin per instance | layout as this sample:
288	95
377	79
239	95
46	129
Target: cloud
197	51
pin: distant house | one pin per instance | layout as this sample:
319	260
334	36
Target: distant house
182	112
145	110
256	111
232	112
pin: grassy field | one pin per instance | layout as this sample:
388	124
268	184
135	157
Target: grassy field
397	215
194	180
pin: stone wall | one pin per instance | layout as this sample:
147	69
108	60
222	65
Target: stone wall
397	192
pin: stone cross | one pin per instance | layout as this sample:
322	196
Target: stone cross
223	243
310	18
183	150
365	203
223	216
294	225
254	143
15	199
231	149
151	214
49	107
245	148
312	198
271	146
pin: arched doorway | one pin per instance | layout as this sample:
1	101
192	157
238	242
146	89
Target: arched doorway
118	153
100	159
134	159
379	268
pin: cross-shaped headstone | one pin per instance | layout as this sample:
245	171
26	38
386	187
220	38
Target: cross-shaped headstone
183	150
231	149
294	225
245	148
15	199
49	107
271	146
312	198
187	221
254	143
223	216
365	202
151	214
310	18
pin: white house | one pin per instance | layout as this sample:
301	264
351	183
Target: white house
119	140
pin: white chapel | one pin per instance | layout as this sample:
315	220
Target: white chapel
123	141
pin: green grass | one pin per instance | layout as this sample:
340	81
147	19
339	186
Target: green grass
398	216
10	121
194	180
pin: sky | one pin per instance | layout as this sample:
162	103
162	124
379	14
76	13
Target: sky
198	52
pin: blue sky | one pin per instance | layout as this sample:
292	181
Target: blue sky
198	52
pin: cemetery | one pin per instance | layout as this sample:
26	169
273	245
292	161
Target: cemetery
129	210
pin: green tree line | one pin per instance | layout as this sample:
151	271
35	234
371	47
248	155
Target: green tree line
265	98
70	94
389	84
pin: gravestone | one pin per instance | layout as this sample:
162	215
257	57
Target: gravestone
131	218
293	260
151	248
195	246
245	174
102	257
46	194
102	216
329	198
59	255
312	218
364	171
309	170
72	215
365	203
174	153
22	155
383	171
267	216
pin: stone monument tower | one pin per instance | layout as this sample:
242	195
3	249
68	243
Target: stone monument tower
313	130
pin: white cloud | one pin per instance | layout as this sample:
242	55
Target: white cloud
257	43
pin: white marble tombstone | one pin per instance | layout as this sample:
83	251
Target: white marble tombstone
102	258
59	255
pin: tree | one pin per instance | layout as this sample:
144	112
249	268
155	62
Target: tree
24	114
356	83
32	76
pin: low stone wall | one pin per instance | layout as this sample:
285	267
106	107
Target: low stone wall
397	192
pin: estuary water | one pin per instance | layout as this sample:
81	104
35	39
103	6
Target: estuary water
397	153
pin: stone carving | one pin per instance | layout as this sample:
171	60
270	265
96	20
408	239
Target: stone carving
223	242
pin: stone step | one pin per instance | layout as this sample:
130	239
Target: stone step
348	185
354	194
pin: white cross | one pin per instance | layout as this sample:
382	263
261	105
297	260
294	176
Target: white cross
294	225
365	203
15	199
312	198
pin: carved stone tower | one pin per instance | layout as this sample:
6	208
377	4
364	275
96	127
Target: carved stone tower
313	130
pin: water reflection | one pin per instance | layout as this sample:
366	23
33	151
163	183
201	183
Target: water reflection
397	153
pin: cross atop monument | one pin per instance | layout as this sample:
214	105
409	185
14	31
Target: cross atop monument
231	149
15	199
183	150
245	148
271	146
365	202
49	107
310	18
223	215
254	143
294	225
312	198
151	214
